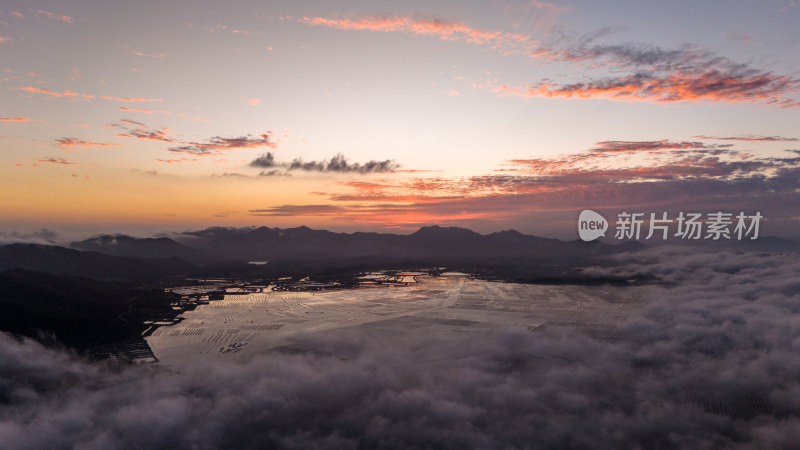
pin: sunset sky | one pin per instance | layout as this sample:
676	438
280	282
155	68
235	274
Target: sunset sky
144	117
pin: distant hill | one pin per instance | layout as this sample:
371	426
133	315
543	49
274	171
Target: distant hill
433	243
64	261
121	245
222	251
225	251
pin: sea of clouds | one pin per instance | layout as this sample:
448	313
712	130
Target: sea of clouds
711	360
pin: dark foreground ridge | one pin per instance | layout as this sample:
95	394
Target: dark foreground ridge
78	312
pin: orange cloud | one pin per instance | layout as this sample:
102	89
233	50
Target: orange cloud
131	99
156	56
4	39
35	90
393	215
504	198
145	111
381	214
443	29
253	102
179	160
14	119
570	182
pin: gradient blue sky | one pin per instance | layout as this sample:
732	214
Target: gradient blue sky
147	116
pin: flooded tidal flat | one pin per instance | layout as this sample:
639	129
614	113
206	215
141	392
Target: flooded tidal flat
250	319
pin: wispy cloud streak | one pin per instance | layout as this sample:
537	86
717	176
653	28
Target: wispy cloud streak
422	26
749	138
54	160
629	71
337	164
216	144
138	130
71	144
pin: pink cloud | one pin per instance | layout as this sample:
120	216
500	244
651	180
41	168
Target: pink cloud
713	86
650	73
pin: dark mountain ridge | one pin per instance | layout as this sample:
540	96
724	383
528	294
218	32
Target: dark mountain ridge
224	251
433	242
65	261
121	245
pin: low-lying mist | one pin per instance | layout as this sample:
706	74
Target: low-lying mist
712	360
